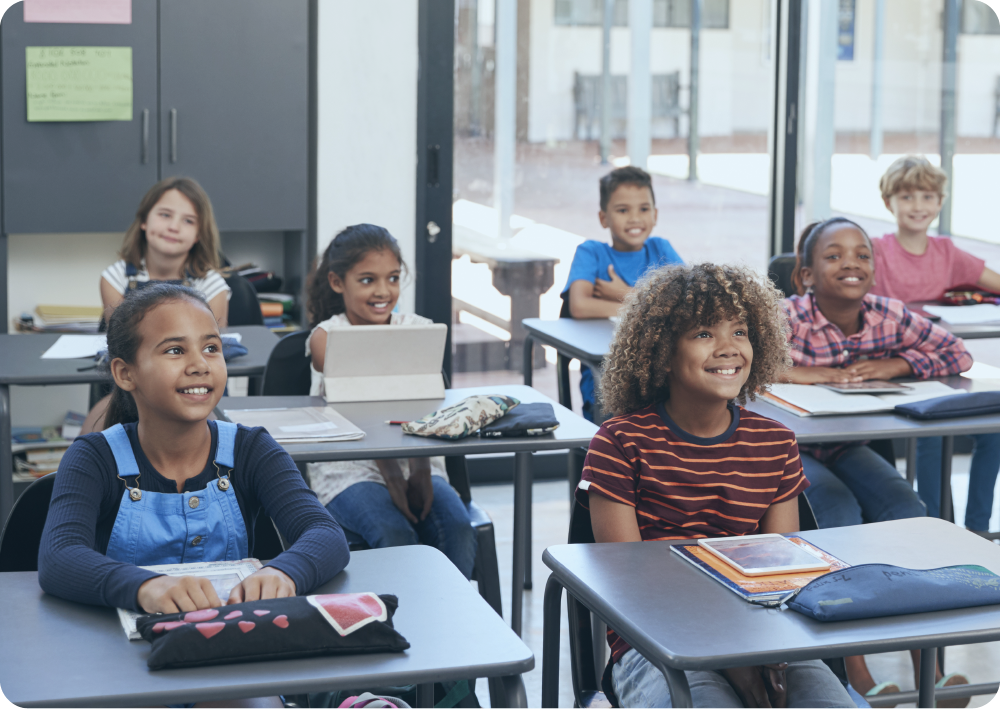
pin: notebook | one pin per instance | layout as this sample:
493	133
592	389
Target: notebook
309	424
384	363
809	400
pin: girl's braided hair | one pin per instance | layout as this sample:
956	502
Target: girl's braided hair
665	305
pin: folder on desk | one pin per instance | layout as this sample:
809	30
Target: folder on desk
809	400
384	363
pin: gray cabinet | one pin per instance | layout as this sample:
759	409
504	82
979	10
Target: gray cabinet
234	107
77	177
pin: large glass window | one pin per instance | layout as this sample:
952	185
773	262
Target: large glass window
666	13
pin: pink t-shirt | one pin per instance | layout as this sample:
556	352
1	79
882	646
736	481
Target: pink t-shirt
900	274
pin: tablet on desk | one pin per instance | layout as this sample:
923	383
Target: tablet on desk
384	362
763	554
872	386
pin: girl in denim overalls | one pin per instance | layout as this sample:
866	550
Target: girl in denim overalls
162	484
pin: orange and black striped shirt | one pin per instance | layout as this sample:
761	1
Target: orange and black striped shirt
686	487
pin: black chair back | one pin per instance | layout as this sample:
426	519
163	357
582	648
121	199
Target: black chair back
244	307
780	272
288	372
22	532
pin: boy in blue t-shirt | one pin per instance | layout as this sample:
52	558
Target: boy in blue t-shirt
602	274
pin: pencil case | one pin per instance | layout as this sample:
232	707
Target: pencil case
879	590
462	419
954	406
281	628
525	420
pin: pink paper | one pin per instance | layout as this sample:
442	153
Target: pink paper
111	12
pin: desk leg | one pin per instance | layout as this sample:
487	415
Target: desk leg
527	537
522	531
516	696
947	449
253	386
928	663
550	642
6	459
529	360
680	691
911	460
425	694
562	381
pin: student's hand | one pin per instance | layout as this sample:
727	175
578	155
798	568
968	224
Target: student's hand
820	375
881	368
614	290
397	486
420	488
748	683
177	594
264	585
776	682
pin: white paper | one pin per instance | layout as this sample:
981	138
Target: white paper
979	314
979	370
223	575
818	400
76	346
309	428
235	336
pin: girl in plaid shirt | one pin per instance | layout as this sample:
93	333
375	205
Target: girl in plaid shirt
841	333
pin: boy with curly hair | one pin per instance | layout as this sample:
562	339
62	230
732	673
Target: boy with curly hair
682	459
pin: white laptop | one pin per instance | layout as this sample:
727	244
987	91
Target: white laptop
384	362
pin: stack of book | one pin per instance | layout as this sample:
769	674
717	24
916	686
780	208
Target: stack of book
278	311
62	318
38	450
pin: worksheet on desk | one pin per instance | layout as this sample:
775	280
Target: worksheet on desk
76	347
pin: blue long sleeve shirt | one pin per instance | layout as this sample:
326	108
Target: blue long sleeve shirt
72	563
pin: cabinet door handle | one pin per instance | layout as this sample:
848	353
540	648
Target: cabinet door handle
145	136
173	135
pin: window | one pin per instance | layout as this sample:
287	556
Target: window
979	18
666	13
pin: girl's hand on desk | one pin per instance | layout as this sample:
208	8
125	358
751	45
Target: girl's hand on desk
267	583
177	594
820	375
420	489
397	486
881	368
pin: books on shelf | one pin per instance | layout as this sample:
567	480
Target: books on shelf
311	424
809	400
61	318
756	588
223	575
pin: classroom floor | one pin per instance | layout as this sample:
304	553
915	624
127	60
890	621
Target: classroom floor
981	663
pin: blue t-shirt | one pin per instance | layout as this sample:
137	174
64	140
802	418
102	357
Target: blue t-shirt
592	259
591	262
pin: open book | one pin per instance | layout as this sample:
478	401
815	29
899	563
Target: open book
809	400
310	424
756	588
222	574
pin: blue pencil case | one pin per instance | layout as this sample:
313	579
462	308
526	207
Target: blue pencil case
879	590
954	406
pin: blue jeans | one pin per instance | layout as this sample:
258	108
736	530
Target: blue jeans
368	515
859	486
639	684
982	477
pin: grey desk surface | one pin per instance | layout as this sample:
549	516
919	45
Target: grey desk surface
706	626
966	332
864	427
22	363
586	340
58	653
384	441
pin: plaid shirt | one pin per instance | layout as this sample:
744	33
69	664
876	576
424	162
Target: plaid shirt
889	330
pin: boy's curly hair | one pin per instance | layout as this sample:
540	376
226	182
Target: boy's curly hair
666	304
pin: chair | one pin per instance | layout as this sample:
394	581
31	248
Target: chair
22	532
244	306
779	270
287	372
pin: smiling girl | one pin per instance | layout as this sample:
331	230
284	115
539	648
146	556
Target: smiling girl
172	238
389	502
164	485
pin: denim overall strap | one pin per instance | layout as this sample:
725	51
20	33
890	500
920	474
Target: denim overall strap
174	528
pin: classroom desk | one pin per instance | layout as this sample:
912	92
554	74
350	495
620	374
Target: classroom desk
59	653
966	332
680	619
21	364
866	427
384	441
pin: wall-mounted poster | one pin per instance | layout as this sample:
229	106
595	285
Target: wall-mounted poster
110	12
79	83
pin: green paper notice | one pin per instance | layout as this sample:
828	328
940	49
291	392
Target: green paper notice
79	83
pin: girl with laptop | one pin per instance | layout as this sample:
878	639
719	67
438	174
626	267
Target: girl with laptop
381	503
